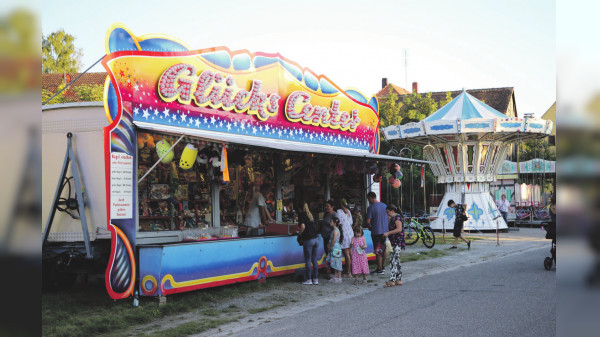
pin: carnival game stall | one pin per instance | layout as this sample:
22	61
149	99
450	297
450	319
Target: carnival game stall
193	136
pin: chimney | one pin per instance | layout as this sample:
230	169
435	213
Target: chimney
415	88
383	82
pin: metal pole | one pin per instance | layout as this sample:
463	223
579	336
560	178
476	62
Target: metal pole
59	189
159	159
444	230
497	235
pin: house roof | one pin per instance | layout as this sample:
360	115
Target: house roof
386	90
51	81
497	98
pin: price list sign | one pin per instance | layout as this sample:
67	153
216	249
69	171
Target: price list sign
121	186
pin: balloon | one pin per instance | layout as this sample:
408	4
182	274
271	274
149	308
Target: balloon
398	175
161	148
397	167
188	157
396	183
391	179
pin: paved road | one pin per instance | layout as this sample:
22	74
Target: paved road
510	296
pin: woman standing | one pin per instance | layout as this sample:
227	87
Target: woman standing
343	213
396	235
308	231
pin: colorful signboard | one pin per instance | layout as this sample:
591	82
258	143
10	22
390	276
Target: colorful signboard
158	82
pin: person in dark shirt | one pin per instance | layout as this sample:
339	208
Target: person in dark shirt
308	231
460	217
326	228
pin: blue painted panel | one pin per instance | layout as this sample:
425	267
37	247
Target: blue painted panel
196	265
161	45
477	125
220	58
412	130
357	96
510	125
120	40
442	127
241	62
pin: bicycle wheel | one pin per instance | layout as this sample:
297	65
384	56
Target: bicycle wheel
411	235
428	237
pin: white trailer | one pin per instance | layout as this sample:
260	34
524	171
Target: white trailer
64	252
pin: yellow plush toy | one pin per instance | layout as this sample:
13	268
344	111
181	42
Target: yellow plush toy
188	157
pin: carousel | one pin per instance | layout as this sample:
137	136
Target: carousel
468	141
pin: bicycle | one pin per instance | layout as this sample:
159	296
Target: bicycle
414	230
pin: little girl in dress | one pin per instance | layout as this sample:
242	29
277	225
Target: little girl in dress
334	257
360	265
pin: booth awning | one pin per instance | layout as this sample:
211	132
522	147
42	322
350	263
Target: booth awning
281	145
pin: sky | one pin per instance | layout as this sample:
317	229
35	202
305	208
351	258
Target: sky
451	45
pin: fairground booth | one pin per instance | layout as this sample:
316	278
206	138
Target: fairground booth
194	134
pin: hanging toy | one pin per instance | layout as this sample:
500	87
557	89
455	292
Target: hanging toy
188	156
398	175
338	168
396	183
391	179
377	178
215	162
161	149
145	139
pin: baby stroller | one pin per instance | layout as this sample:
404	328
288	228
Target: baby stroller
550	228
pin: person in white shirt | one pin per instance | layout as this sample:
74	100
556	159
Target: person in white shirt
503	206
257	212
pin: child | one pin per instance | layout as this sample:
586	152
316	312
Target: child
334	257
360	265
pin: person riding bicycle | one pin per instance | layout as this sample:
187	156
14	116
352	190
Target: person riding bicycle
461	216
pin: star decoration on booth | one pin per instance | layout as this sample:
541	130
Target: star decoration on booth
475	211
146	114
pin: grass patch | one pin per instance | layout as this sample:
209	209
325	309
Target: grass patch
191	328
424	255
263	309
231	308
87	310
211	312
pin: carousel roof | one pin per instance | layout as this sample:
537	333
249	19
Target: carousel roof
464	106
466	115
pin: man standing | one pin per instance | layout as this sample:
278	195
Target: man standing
460	217
377	221
258	213
503	207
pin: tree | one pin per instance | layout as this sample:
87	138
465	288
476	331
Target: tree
59	54
417	107
389	111
90	93
536	148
